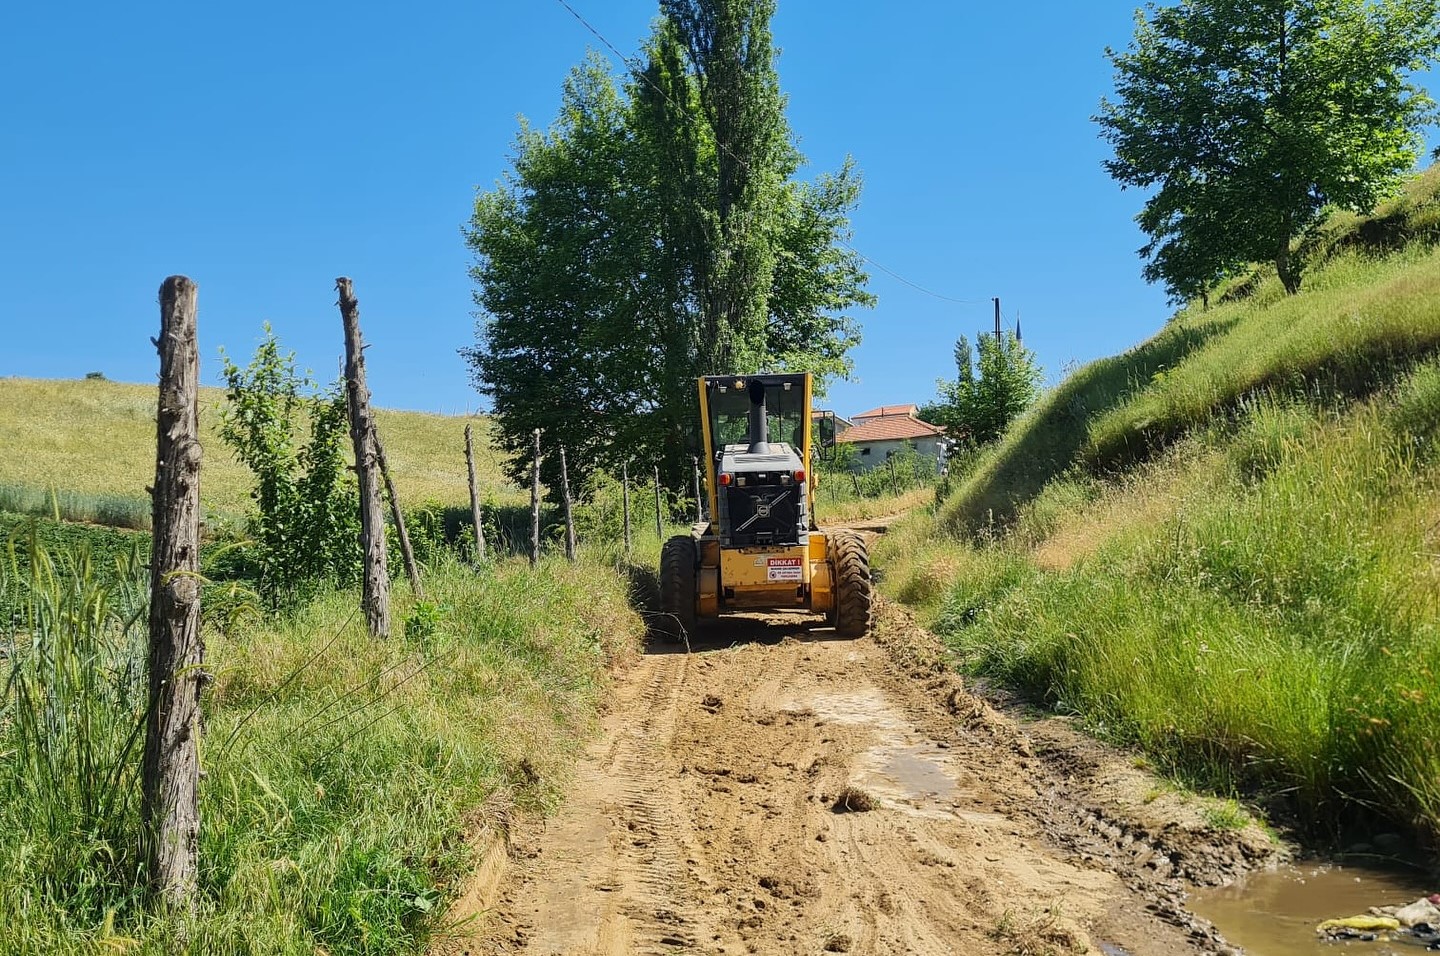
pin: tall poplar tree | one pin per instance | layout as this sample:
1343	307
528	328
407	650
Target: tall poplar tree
654	233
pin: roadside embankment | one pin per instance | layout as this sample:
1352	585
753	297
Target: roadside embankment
1224	547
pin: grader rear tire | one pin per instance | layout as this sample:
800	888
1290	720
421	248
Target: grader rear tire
677	588
854	588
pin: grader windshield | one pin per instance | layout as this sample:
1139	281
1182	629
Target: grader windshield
728	403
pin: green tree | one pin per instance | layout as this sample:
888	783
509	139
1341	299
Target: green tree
654	233
985	396
306	526
1248	118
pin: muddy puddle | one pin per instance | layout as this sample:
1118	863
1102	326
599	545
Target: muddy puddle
1274	912
906	770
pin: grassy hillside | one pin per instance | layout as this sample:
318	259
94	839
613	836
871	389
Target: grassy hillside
1224	544
91	445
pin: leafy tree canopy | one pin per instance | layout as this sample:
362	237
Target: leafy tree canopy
985	396
1247	118
654	233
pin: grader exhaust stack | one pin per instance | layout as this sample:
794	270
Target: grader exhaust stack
761	549
759	425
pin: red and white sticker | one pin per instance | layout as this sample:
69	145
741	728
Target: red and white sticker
784	569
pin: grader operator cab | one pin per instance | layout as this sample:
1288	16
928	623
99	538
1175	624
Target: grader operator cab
760	549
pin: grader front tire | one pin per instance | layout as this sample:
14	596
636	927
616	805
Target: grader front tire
854	588
677	588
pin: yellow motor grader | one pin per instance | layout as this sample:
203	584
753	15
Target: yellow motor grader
760	549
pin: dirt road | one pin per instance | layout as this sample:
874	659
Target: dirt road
777	790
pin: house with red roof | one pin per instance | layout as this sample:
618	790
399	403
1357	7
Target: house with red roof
881	432
887	411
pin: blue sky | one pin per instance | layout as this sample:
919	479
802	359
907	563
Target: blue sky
265	148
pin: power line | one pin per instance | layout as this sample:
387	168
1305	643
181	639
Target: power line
636	66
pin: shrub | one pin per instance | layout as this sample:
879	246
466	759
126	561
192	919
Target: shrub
305	529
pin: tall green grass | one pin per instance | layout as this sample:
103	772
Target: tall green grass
70	739
341	773
111	510
1360	322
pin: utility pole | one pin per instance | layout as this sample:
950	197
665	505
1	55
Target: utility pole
997	320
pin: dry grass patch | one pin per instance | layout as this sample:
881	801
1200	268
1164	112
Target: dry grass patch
97	438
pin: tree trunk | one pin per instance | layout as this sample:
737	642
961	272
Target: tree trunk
569	508
362	436
659	529
1285	266
474	497
407	553
171	771
535	504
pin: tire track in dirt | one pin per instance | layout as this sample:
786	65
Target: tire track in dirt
704	820
709	817
608	875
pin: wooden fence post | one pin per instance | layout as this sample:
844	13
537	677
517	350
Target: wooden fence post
535	504
362	436
699	502
171	770
474	497
569	511
659	530
407	553
625	496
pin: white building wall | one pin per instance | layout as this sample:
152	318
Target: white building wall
872	454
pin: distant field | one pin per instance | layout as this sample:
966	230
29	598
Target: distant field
97	438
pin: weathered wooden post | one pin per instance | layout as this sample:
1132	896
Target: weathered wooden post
659	530
362	436
474	496
535	504
569	510
171	771
407	553
625	497
699	501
